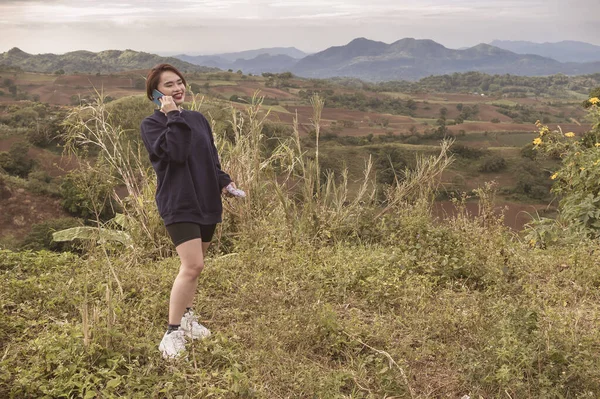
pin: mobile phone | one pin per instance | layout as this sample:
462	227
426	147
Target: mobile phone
155	96
236	192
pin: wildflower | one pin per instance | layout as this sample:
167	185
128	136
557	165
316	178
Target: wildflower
594	100
554	176
537	141
582	169
597	144
570	134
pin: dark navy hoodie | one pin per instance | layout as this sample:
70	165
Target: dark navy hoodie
184	157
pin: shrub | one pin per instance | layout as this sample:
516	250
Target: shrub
493	163
465	151
86	193
577	180
16	161
40	236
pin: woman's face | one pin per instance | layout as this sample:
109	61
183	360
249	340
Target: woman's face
170	84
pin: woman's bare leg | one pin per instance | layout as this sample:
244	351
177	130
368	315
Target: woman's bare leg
191	254
205	246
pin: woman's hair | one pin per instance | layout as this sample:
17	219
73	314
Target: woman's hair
153	77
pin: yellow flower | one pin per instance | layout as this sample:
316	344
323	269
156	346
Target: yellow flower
570	134
597	144
537	141
582	169
554	176
594	100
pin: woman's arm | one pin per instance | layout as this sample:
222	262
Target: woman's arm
224	178
171	141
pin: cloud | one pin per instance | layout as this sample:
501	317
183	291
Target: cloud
215	25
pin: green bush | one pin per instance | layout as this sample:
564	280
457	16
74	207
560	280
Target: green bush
16	161
40	182
86	193
577	180
40	235
493	163
465	151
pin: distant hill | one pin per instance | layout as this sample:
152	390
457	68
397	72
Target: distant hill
412	59
265	63
273	59
565	51
88	62
406	59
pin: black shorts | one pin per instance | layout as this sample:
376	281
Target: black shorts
182	232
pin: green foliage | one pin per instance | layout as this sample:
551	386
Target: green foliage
492	163
16	161
39	182
86	193
310	291
362	102
523	113
40	235
468	152
512	85
482	308
577	180
128	113
390	164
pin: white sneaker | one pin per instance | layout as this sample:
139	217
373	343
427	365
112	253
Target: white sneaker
173	344
191	327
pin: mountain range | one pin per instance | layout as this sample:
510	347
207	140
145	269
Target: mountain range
565	51
405	59
108	61
274	59
369	60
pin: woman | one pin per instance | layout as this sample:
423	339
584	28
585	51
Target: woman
188	195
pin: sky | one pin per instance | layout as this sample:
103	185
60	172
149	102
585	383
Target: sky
217	26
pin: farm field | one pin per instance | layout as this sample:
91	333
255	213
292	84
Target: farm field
496	125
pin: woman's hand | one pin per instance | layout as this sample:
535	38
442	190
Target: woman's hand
167	104
227	193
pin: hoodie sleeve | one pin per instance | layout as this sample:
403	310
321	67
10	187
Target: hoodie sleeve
223	177
170	141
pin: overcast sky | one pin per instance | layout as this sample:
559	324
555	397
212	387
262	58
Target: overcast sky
216	26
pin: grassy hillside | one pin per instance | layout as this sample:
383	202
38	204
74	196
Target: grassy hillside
436	311
88	62
316	285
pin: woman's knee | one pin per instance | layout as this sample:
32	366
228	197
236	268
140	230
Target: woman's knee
192	269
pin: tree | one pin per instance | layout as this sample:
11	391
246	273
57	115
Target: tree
16	161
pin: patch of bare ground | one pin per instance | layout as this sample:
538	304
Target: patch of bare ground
516	215
474	127
248	89
22	209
